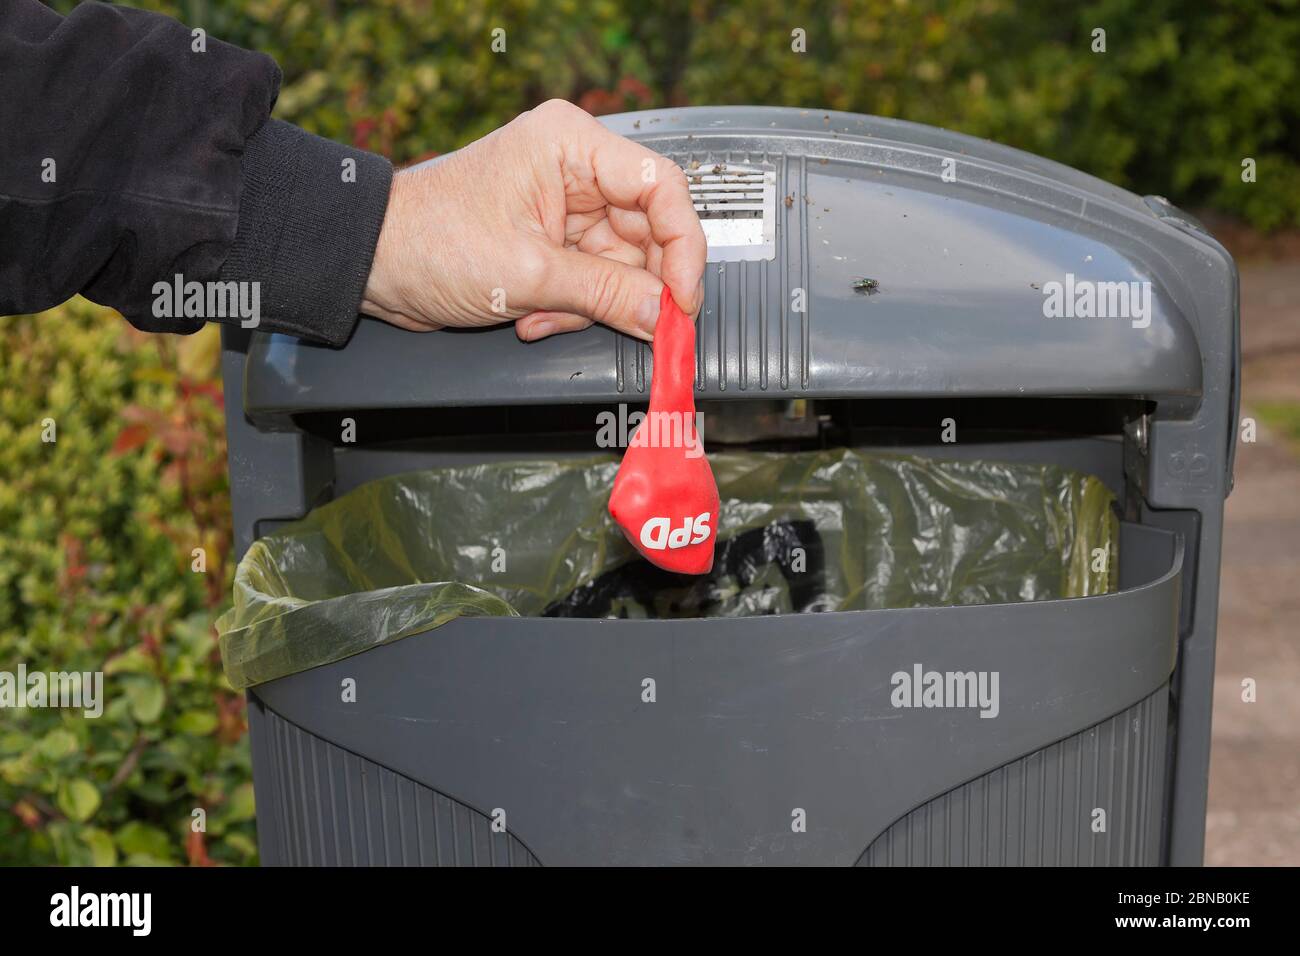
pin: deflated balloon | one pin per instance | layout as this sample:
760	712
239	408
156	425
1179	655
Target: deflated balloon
665	498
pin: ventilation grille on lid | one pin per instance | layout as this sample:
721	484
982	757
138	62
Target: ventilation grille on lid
737	208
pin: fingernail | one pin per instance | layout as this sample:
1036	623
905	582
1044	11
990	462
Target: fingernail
647	315
540	330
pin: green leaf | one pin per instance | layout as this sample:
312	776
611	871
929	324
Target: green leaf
58	743
183	670
78	799
195	633
17	770
152	792
102	850
14	742
199	723
241	843
240	806
147	700
140	839
133	661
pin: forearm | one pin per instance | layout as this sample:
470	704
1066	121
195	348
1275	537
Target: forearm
130	153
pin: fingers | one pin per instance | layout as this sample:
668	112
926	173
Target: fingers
576	223
632	225
538	325
632	177
602	240
617	294
654	261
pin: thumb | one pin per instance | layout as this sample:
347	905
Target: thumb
611	292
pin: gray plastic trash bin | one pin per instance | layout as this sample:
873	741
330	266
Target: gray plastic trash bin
1028	311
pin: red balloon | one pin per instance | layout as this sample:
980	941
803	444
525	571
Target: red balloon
665	498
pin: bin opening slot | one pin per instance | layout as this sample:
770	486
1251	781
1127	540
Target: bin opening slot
748	422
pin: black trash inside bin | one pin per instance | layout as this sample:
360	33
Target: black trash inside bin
619	720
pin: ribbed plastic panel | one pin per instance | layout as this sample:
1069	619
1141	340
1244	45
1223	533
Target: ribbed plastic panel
749	338
334	808
1038	811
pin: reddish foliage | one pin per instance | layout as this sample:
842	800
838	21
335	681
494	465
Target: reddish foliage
633	89
210	390
600	102
74	568
196	850
187	460
130	438
231	724
629	94
27	814
363	128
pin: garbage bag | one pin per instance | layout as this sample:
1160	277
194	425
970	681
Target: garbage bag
830	530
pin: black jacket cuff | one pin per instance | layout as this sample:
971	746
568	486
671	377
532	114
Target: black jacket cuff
308	225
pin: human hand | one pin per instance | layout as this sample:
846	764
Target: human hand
551	220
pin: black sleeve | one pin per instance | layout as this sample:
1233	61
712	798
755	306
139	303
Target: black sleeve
129	156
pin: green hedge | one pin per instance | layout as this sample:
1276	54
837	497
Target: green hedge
96	574
1184	92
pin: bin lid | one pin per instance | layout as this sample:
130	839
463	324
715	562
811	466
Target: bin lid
850	256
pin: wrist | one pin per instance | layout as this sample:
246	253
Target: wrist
381	297
305	232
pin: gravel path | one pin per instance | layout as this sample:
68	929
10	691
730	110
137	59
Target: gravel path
1254	811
